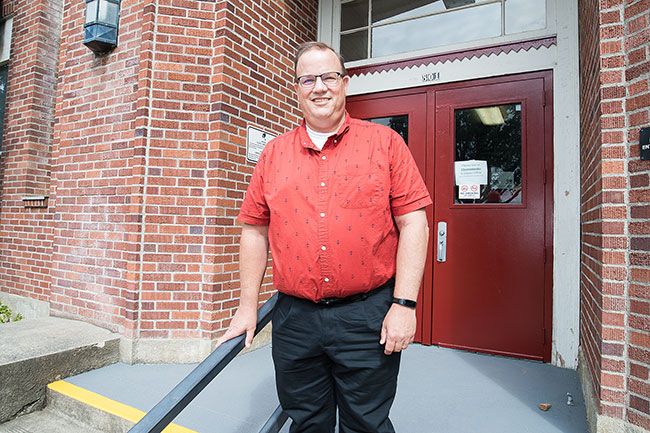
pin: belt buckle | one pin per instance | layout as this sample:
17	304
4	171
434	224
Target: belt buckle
328	301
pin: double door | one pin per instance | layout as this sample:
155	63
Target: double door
484	151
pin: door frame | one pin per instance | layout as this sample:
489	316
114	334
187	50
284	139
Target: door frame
425	304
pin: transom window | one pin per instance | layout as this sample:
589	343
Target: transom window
376	28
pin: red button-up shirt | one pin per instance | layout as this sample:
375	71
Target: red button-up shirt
330	212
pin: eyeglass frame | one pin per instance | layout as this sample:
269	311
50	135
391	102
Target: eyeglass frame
339	75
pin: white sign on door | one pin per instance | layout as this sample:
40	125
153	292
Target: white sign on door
469	172
469	191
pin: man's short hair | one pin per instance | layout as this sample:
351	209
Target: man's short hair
312	45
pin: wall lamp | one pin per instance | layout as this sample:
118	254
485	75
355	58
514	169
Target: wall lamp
100	29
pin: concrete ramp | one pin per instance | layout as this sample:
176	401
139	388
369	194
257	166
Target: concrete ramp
36	352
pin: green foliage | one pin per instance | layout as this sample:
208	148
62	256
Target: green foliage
6	315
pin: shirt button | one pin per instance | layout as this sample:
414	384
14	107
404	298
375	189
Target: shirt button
327	280
323	247
322	184
322	214
323	157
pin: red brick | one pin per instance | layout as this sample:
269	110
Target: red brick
639	371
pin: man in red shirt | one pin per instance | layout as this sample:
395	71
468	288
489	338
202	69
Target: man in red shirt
341	203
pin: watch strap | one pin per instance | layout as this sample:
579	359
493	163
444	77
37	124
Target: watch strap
405	302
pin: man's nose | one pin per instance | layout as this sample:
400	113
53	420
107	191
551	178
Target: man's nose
319	85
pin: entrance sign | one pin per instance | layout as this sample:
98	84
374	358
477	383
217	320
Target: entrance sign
256	140
470	172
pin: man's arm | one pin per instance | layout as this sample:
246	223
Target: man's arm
398	329
253	255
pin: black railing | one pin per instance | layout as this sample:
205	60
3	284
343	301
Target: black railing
275	423
178	398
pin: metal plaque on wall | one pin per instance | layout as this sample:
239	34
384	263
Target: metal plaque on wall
256	140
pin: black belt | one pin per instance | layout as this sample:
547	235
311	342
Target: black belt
328	302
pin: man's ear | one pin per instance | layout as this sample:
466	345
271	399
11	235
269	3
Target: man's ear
346	82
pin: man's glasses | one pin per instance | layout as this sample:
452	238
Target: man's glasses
330	79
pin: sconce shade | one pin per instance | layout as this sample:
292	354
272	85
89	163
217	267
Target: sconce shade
100	28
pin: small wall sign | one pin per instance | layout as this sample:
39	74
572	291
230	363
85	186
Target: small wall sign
644	143
256	140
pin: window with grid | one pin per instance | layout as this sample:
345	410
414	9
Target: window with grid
376	28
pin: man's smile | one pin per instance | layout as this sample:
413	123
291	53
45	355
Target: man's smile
321	100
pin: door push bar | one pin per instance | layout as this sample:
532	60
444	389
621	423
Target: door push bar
442	242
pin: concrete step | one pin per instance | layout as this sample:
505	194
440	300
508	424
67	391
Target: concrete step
45	421
89	408
36	352
95	410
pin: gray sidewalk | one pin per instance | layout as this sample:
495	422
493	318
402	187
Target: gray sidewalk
440	391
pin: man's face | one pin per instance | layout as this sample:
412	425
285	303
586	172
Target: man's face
322	106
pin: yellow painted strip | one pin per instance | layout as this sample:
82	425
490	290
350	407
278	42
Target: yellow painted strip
107	405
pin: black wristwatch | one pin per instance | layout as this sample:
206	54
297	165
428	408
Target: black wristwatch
405	302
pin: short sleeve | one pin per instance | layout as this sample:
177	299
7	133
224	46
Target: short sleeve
254	210
408	192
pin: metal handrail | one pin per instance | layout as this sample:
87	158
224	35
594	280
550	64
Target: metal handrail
275	422
187	389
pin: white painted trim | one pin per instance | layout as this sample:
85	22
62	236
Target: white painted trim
566	191
325	26
562	16
6	39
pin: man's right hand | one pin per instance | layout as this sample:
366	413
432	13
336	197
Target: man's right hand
244	320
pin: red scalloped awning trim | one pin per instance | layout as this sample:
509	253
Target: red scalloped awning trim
455	55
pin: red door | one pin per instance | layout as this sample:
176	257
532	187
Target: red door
490	188
482	147
405	113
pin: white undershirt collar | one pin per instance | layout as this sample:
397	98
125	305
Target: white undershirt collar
319	138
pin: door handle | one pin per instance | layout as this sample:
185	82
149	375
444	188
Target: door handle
442	242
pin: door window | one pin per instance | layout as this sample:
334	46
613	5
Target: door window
488	155
400	124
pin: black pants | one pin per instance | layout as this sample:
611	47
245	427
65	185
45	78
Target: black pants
329	356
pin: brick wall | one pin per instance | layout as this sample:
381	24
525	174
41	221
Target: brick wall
591	268
25	164
252	86
636	16
148	161
218	68
7	8
97	162
615	322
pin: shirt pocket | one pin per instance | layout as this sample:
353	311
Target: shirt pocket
357	191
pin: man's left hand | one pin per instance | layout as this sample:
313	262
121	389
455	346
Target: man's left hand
398	329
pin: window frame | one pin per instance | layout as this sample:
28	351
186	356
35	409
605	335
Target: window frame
329	31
